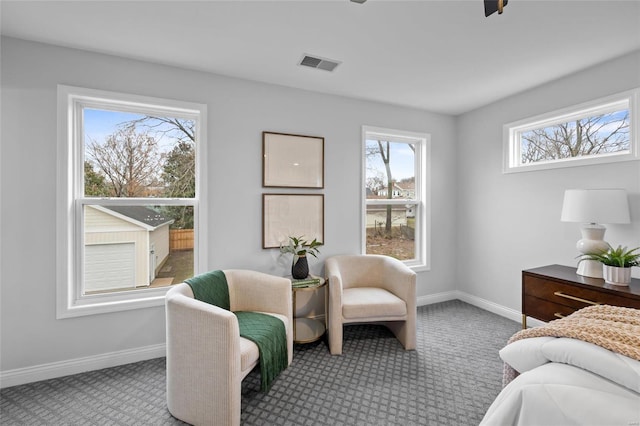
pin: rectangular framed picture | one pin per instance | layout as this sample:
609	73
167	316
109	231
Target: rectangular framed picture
293	161
291	215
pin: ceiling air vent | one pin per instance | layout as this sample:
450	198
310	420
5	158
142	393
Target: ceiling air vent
319	63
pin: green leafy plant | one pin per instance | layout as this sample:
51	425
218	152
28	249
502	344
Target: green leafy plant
620	257
300	247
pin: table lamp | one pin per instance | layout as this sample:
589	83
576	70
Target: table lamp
591	207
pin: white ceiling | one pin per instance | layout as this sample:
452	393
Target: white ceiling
442	56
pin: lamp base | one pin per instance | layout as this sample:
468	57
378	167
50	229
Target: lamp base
590	268
592	242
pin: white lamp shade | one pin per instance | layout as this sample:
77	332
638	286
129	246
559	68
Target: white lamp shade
595	206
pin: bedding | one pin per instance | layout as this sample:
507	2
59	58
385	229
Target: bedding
583	370
562	394
613	327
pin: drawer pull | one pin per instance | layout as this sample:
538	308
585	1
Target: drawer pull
568	296
558	315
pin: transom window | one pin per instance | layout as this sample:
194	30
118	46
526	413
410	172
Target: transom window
129	221
395	188
601	131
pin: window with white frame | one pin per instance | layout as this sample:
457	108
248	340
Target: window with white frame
396	195
131	199
601	131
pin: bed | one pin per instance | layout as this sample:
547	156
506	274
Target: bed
584	371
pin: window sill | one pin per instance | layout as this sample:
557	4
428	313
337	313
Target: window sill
101	304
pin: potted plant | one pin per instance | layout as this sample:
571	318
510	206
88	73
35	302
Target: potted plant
616	263
300	248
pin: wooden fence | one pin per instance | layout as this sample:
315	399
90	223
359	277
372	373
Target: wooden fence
180	239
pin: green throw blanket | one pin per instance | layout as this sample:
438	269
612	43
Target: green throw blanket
266	331
212	288
270	335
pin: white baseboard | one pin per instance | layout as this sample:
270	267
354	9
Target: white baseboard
436	298
487	305
52	370
481	303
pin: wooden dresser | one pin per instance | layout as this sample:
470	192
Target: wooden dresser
554	291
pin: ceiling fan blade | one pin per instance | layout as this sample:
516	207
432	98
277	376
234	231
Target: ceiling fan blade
493	6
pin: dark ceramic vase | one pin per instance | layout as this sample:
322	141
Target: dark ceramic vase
300	269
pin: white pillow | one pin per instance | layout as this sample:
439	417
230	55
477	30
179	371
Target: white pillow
526	354
610	365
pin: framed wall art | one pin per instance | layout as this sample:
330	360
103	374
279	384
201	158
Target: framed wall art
285	215
293	161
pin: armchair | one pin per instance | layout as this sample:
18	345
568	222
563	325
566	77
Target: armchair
206	357
371	288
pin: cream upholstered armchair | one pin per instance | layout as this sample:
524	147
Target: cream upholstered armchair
371	288
206	357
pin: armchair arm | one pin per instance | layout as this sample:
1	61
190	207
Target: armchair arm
399	279
332	269
334	314
203	358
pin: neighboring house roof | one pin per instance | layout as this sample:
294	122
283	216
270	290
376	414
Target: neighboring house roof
396	188
406	185
147	217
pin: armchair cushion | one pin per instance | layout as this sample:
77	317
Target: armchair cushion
369	302
249	356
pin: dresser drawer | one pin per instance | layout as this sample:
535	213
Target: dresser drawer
545	310
571	295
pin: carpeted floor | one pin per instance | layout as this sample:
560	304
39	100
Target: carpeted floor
451	379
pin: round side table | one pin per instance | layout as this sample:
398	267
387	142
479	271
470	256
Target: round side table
305	329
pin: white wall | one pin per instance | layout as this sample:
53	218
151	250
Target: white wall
510	222
238	113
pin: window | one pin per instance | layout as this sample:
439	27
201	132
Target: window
395	195
596	132
131	199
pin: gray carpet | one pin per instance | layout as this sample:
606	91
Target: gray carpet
451	379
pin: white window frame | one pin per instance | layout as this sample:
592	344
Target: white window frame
422	141
71	302
511	133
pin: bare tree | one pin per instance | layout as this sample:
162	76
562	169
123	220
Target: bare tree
130	162
598	134
180	129
375	182
383	149
179	168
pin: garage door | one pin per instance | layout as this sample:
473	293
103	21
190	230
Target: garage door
109	266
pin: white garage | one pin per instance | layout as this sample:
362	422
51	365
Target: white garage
124	246
109	266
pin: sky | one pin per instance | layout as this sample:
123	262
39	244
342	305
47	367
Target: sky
402	161
99	124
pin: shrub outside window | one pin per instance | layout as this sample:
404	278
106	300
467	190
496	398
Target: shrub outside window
601	131
129	218
395	188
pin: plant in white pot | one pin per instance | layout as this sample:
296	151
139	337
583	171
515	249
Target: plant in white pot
616	263
300	248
